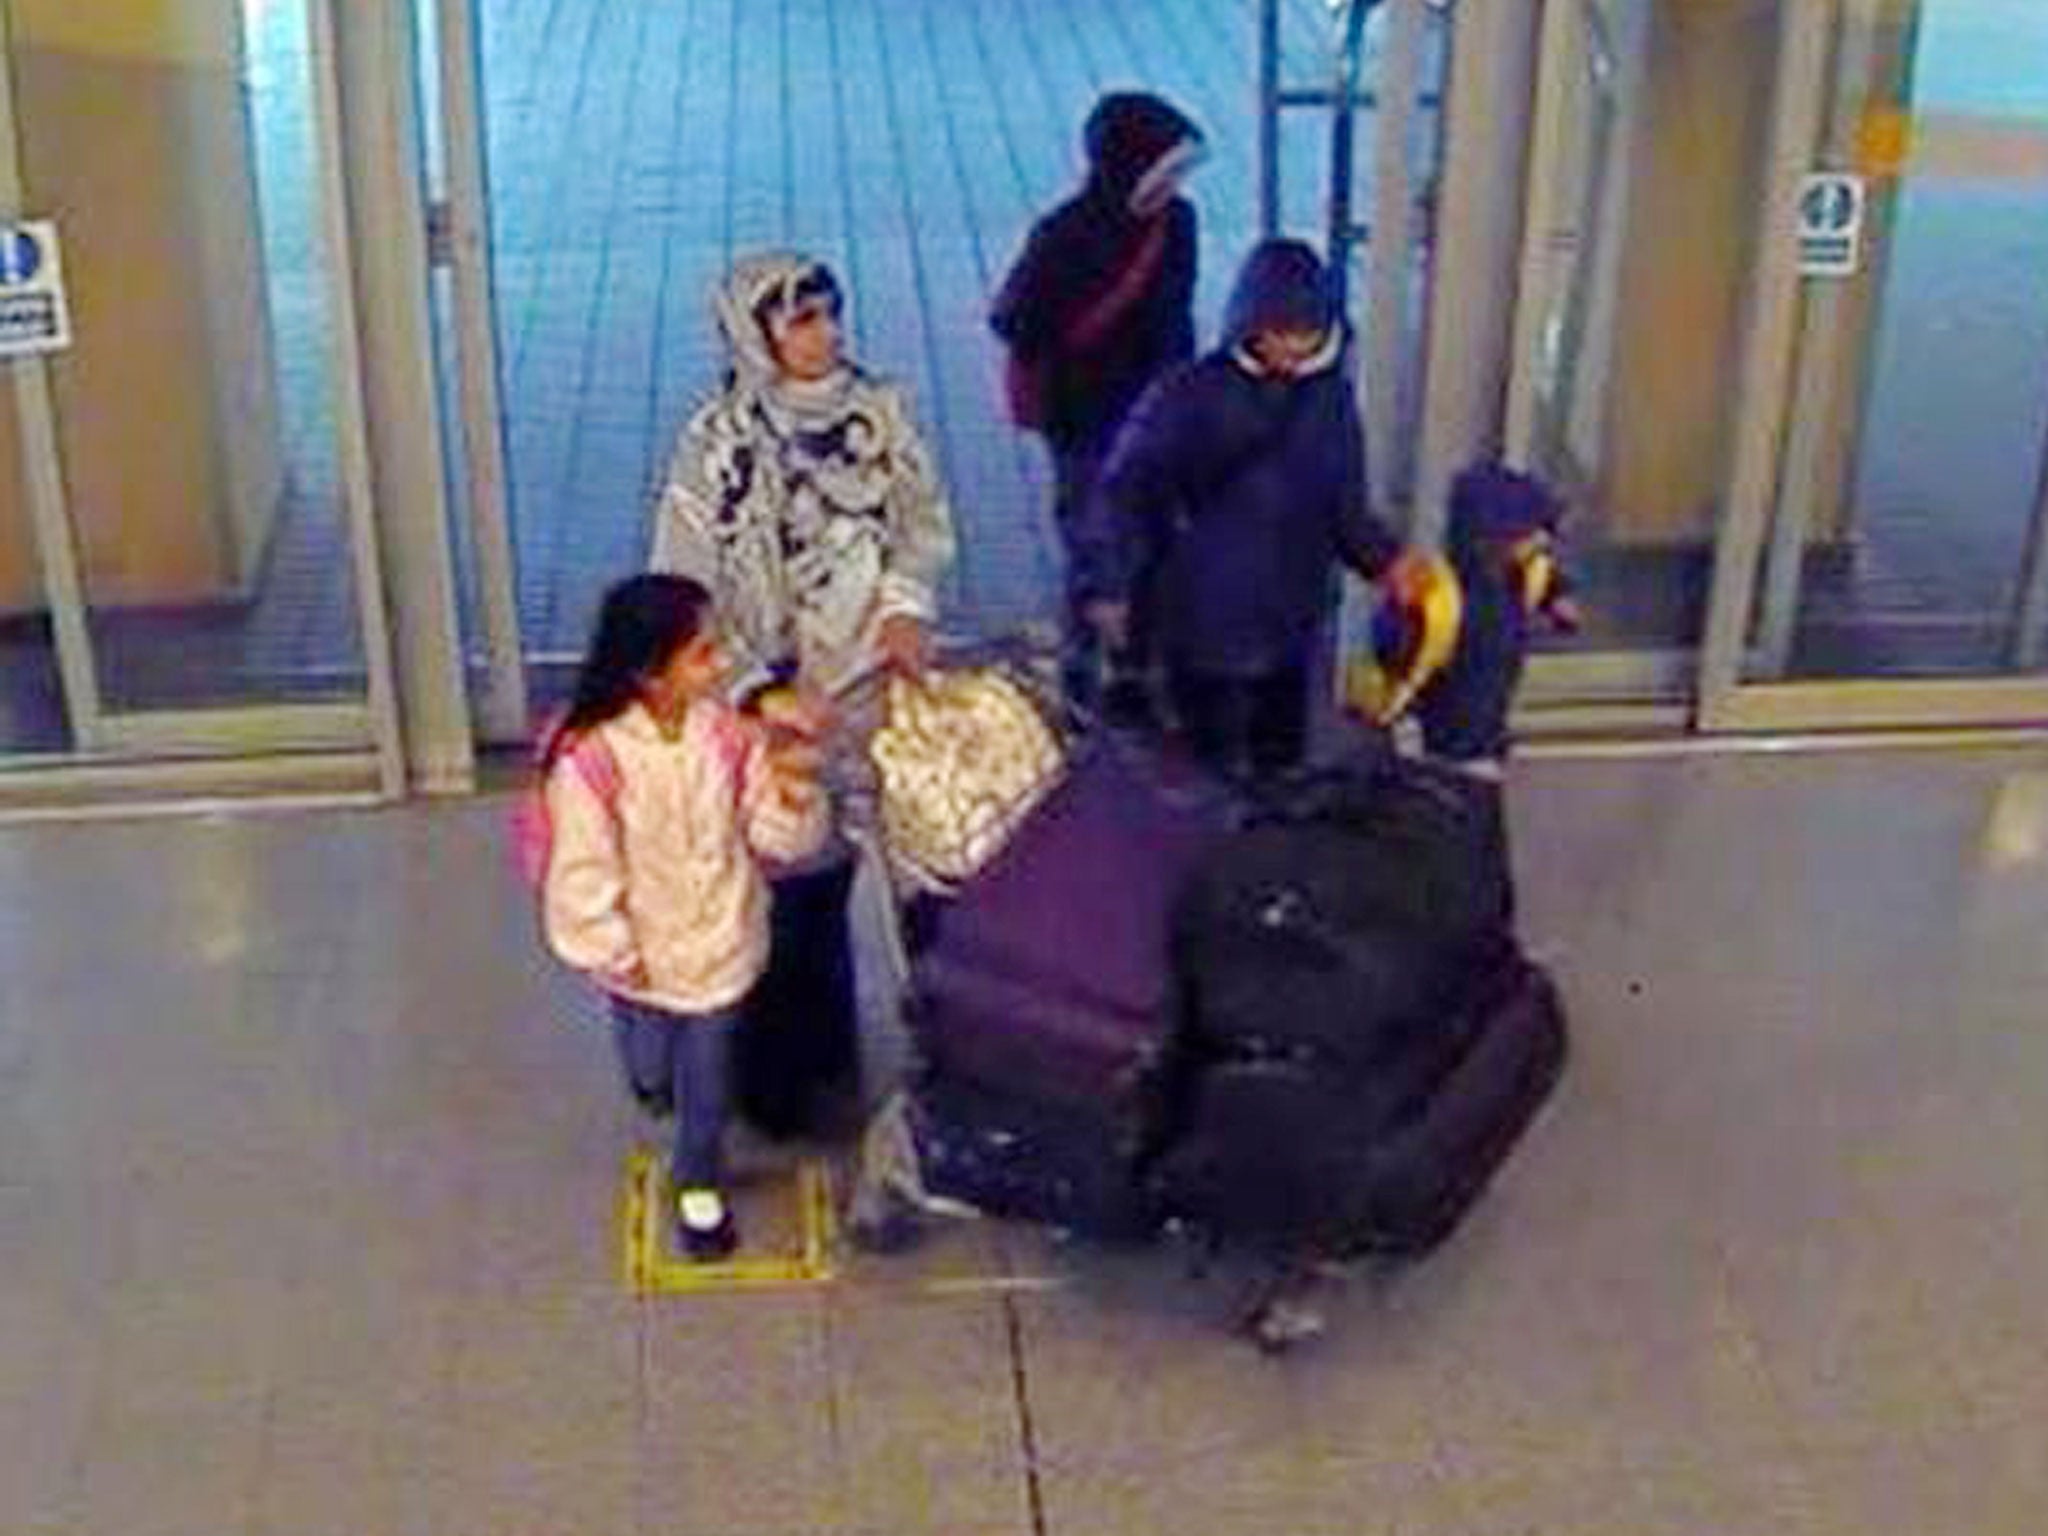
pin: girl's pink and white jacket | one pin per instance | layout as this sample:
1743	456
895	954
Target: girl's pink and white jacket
654	883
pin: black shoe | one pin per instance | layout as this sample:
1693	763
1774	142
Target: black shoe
710	1245
707	1245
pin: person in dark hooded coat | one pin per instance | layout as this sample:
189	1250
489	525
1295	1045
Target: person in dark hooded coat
1240	480
1097	306
1501	541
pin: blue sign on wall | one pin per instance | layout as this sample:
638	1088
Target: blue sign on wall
33	315
21	256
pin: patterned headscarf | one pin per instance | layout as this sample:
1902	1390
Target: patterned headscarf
759	288
810	509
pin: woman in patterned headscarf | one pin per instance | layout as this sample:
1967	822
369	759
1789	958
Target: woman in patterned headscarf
804	500
801	495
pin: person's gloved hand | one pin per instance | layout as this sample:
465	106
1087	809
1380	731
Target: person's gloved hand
1410	574
794	766
903	644
794	759
1565	614
791	710
1110	620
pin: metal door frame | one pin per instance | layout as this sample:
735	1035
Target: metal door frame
465	248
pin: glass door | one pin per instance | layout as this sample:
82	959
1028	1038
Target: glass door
1648	166
189	562
1886	559
455	145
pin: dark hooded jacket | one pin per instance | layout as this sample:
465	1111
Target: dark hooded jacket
1464	709
1232	495
1075	253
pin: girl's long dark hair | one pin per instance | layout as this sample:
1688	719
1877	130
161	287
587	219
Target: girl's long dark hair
645	620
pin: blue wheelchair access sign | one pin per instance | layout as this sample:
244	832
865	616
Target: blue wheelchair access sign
33	315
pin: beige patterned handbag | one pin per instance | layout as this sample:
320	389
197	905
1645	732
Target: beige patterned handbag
964	756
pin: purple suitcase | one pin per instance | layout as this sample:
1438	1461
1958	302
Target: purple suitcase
1048	979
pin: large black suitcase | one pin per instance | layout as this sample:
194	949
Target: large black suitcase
1027	1160
796	1053
1365	903
1288	1154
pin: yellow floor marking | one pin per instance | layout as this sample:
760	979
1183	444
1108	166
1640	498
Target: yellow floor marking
2017	830
652	1267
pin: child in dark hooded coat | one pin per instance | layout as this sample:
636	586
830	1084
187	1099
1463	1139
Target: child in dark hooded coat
1240	483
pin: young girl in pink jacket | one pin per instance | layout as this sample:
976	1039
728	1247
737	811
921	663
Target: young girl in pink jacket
663	801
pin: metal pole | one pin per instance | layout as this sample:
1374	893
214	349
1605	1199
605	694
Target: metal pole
1269	117
381	163
352	427
56	550
1343	146
2030	607
1545	268
1764	383
1392	247
503	705
1477	245
1813	436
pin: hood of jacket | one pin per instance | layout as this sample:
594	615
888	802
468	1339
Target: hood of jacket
1128	135
1283	285
1494	505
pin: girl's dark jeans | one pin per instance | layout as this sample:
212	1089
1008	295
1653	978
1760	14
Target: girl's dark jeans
681	1061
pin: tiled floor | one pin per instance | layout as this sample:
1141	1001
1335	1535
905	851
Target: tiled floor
636	149
307	1162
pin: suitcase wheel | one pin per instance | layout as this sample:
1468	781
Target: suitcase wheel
1282	1322
1283	1312
881	1219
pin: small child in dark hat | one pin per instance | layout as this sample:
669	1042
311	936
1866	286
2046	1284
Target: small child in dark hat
1449	643
1502	543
